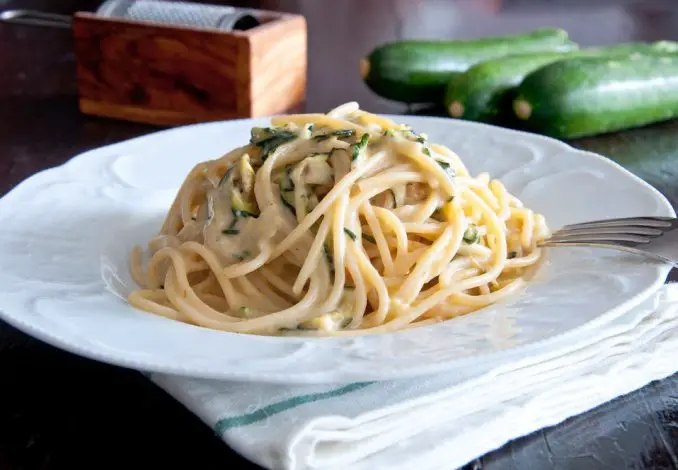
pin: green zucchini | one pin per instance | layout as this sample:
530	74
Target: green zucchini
478	94
593	95
241	207
471	235
417	71
483	93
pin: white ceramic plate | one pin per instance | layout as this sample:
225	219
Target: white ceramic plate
66	234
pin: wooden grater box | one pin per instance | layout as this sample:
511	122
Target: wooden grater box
170	75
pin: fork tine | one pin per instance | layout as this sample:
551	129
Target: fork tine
613	238
660	222
595	230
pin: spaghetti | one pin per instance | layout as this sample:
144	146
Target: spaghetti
343	223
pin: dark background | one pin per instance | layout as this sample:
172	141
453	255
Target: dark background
61	411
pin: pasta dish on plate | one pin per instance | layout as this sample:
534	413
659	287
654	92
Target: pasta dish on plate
335	224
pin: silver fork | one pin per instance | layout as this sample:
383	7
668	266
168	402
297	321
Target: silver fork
655	237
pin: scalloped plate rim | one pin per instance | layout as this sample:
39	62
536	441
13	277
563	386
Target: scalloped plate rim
82	349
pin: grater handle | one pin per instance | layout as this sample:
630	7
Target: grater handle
35	18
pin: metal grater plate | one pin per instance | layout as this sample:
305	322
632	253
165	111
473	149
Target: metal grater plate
177	13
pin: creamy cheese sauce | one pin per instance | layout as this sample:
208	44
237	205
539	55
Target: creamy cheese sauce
333	224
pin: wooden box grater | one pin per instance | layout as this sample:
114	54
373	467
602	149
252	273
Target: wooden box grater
169	75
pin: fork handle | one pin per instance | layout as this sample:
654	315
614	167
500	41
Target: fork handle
610	246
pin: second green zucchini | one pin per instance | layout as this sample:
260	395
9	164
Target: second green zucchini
594	95
483	92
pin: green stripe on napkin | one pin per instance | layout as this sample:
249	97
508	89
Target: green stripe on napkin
225	424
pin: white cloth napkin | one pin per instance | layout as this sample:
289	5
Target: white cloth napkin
441	421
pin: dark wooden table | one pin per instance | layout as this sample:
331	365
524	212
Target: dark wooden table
61	411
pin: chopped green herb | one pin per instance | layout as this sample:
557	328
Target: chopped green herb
243	214
344	133
340	134
245	311
242	256
512	254
231	230
389	133
275	142
471	235
351	235
357	148
329	258
369	238
422	140
310	127
447	167
286	203
276	139
258	134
